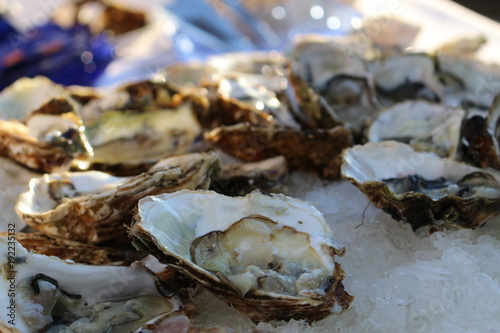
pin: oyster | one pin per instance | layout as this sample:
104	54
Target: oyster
92	207
315	150
482	134
462	47
388	33
269	256
407	76
14	180
422	188
40	126
424	126
469	81
51	295
137	125
233	100
75	251
335	71
242	178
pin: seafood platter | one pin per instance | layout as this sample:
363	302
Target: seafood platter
348	182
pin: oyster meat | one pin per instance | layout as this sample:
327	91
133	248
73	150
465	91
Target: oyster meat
421	187
52	295
92	207
269	256
135	126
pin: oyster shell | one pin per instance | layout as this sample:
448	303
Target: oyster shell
92	207
388	33
269	256
233	100
75	251
137	125
482	134
40	126
242	178
424	126
315	150
422	188
407	76
14	180
52	295
336	72
469	81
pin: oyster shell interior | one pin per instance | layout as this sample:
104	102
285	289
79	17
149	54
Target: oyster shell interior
58	296
424	126
255	251
405	170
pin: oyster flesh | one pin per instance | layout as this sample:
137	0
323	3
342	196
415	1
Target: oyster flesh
269	256
421	187
93	206
51	295
135	126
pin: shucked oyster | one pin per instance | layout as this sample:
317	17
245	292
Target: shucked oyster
422	188
482	137
424	126
93	206
45	294
269	256
407	76
40	126
137	125
336	72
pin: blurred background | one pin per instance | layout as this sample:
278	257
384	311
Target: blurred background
105	42
489	8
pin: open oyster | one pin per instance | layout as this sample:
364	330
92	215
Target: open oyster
239	179
424	126
482	135
14	180
40	126
135	126
469	81
314	150
46	294
406	76
421	187
233	100
269	256
92	206
334	70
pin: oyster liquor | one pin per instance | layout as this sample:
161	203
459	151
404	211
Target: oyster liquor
11	273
